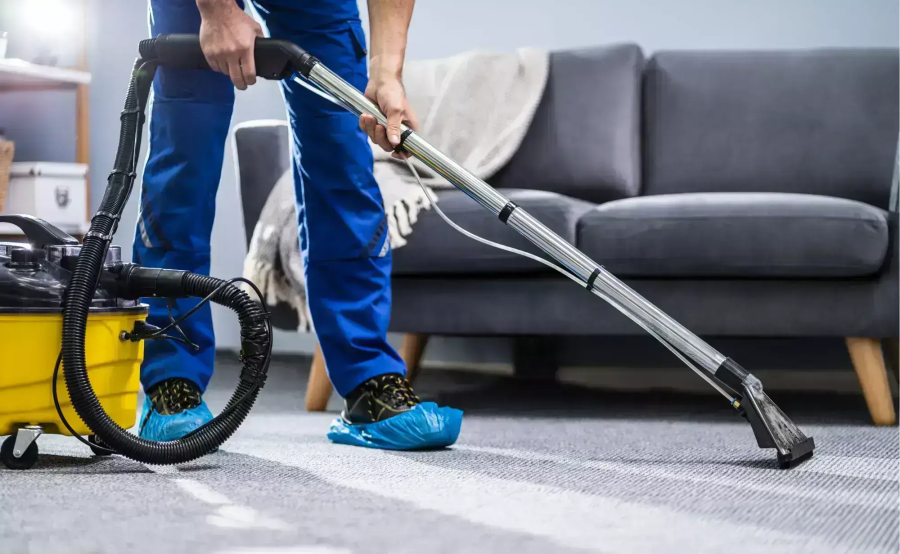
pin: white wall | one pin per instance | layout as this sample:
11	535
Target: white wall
443	28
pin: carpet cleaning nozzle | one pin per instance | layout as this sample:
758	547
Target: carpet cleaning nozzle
771	427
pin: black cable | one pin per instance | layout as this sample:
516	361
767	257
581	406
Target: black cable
184	338
178	340
205	300
63	418
228	409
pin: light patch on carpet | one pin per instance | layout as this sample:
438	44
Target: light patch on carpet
243	517
568	518
201	492
228	515
682	472
886	469
288	550
162	470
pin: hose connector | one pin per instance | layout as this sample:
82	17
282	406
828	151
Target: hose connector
134	282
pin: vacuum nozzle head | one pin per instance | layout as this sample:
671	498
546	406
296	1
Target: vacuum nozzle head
772	428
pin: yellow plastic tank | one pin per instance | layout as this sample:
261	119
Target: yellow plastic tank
29	347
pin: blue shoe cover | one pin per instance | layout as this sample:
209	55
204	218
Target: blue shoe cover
164	428
424	427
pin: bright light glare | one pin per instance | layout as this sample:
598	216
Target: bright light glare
49	19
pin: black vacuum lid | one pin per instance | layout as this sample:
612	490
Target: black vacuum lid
34	274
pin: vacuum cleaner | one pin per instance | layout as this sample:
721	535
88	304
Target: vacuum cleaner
92	280
55	291
279	59
76	306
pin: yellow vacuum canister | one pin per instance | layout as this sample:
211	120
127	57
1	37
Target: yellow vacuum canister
33	280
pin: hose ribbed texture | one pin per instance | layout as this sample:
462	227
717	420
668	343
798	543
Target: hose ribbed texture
254	331
147	49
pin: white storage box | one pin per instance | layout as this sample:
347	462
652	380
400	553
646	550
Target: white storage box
54	192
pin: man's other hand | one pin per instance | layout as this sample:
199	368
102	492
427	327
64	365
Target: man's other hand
385	89
227	37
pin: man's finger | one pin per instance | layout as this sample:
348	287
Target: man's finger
364	120
214	64
248	68
381	138
234	69
394	115
369	127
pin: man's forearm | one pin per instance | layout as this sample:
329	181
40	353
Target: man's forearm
388	26
210	6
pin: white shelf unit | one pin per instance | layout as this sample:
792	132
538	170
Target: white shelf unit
20	75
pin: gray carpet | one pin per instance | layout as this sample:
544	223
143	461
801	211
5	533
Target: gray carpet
538	469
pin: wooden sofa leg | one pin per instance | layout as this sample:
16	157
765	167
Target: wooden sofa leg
411	350
318	390
868	360
893	355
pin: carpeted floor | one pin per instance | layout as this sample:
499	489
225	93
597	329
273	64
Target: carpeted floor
538	469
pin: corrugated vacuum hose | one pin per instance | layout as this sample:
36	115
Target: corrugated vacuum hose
280	59
132	281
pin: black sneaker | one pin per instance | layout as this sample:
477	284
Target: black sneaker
174	396
172	409
379	398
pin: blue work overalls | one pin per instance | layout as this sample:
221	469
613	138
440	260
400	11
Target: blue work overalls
341	217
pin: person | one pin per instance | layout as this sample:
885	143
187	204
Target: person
342	225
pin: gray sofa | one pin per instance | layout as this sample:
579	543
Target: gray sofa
744	193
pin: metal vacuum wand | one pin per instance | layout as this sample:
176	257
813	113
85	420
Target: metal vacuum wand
770	425
594	277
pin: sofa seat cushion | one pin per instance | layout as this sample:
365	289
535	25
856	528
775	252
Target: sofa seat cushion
435	248
757	235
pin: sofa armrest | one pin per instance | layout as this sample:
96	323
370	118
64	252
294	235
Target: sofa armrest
262	153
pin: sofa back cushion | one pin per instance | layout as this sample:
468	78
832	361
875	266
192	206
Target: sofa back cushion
817	122
584	140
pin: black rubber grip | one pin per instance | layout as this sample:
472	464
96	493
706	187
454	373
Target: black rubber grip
178	51
404	136
275	59
399	148
507	211
592	278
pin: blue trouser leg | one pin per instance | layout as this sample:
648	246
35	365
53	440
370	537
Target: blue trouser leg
343	228
189	118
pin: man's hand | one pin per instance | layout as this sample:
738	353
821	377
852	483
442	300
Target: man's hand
227	37
385	89
388	24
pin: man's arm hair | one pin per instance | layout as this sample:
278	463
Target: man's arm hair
227	38
206	5
388	26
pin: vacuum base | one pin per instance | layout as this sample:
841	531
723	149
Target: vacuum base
798	454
